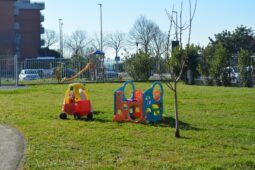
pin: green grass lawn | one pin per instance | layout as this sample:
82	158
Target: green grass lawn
217	129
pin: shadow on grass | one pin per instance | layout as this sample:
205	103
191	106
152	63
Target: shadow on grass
102	120
95	118
170	122
166	122
98	112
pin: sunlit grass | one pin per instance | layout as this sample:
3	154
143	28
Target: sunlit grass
218	130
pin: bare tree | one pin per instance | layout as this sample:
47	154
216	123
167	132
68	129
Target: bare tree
168	40
96	42
176	75
50	38
78	42
116	41
158	46
143	32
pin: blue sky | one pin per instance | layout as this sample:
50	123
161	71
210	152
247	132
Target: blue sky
213	16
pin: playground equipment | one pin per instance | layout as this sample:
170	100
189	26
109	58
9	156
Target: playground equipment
76	102
95	67
86	68
97	73
147	106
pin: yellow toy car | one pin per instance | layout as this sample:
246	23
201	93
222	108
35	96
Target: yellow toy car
76	102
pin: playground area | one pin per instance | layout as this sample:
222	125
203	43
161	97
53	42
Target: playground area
217	129
53	70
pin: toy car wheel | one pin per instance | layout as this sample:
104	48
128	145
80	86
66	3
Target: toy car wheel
90	116
63	116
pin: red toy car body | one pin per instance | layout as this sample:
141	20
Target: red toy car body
76	102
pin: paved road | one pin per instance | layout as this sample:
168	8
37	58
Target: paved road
11	148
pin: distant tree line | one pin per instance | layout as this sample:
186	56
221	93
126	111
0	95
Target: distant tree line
149	50
229	50
226	60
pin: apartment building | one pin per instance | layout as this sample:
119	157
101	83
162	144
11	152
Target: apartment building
20	28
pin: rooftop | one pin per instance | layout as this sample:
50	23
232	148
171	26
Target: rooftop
26	4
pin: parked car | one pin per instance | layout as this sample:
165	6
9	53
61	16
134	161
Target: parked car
249	68
111	74
28	74
45	73
235	77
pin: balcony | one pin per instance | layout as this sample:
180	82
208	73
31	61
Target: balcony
17	39
16	26
38	5
42	18
42	30
28	5
16	11
42	42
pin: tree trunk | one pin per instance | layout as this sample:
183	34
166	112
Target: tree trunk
177	130
116	55
116	52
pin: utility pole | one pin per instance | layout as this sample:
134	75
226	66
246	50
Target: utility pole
61	44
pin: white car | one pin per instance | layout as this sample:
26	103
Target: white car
29	74
235	77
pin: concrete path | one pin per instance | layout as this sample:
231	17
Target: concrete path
11	148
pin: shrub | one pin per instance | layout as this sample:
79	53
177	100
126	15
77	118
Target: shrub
139	66
244	64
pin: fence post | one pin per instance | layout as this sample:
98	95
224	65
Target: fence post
16	70
0	73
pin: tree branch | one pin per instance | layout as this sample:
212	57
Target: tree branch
170	86
182	69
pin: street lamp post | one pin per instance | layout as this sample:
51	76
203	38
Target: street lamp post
61	44
101	38
101	26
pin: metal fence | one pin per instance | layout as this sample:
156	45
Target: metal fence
45	71
9	71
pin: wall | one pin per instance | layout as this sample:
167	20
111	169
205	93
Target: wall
30	32
6	27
